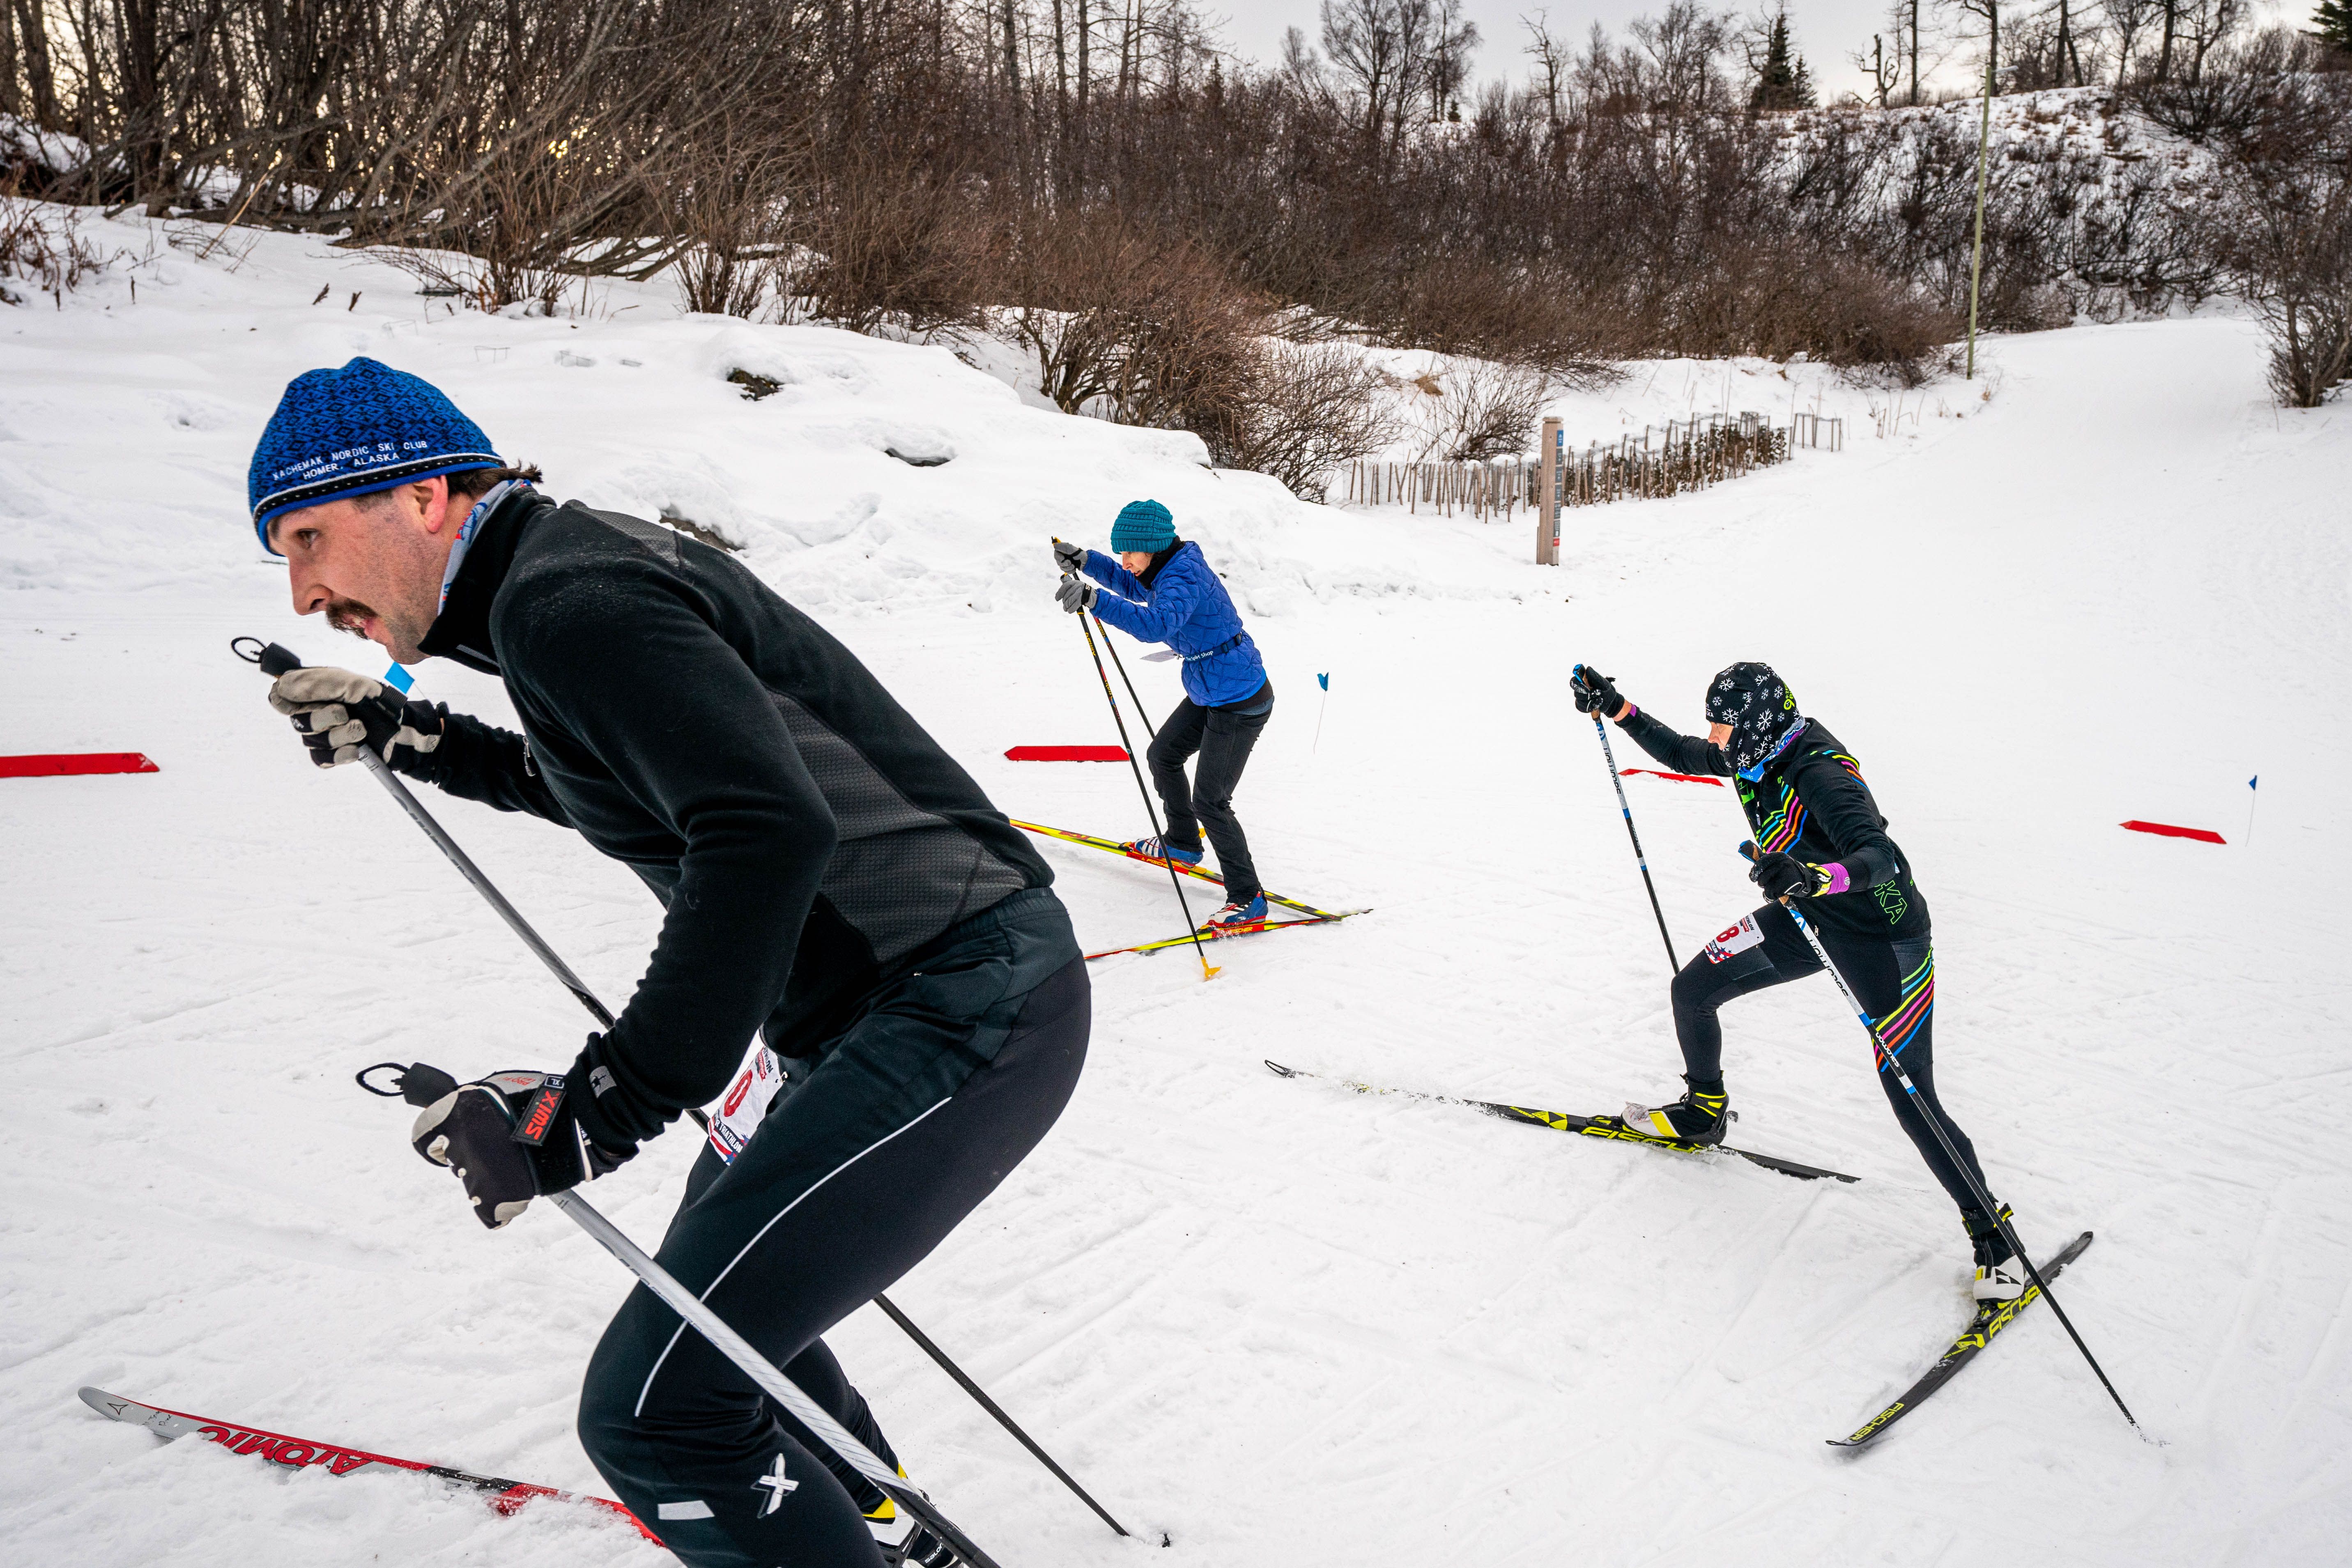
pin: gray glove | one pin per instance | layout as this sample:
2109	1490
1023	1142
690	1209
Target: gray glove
1073	595
337	712
1071	558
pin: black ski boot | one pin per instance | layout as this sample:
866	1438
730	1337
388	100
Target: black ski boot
1698	1117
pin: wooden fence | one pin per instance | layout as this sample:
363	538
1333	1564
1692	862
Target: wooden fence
1685	455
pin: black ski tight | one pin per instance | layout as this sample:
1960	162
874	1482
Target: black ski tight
1225	740
906	1123
1894	980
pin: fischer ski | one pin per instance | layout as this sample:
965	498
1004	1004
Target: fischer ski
1990	1320
1608	1127
1222	933
297	1453
1113	846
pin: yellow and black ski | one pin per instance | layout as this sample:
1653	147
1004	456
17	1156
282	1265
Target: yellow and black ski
1610	1127
1225	933
1990	1319
1113	846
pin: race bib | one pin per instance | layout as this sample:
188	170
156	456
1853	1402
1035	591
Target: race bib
746	1103
1739	938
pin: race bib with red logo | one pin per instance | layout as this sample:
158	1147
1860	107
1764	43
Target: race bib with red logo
746	1102
1738	939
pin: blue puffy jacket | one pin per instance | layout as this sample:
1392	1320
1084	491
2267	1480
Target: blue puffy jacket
1187	608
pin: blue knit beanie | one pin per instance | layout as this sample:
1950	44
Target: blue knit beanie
1142	525
346	432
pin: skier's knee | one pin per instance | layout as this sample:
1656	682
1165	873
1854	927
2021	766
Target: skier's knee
1693	991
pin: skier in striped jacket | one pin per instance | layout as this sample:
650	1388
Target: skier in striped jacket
1820	836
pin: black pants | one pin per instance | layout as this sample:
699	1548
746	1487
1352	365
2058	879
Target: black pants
1224	741
903	1125
1896	981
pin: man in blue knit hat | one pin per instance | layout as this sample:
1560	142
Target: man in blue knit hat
1161	590
838	894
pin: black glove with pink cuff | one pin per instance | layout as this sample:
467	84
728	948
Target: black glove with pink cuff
1594	693
1783	876
511	1137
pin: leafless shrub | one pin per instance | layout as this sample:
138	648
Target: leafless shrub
2260	100
883	242
44	249
2287	238
1309	410
1480	410
1111	309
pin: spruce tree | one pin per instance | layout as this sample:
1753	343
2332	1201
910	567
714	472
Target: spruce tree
2334	19
1783	81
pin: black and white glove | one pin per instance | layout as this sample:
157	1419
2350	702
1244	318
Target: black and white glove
337	712
1593	692
1783	876
511	1137
1071	558
1073	595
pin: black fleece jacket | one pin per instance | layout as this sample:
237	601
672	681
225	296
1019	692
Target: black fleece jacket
1812	803
806	835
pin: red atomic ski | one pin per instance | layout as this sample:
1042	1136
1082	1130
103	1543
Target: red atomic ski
299	1453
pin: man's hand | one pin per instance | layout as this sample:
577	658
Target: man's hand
1594	694
511	1137
1073	595
337	712
1071	558
1785	877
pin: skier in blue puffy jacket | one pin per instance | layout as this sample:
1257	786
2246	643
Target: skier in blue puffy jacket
1161	590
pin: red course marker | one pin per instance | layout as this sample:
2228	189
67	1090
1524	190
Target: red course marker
2166	830
1680	778
1066	754
52	763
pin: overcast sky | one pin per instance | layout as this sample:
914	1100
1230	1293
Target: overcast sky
1827	31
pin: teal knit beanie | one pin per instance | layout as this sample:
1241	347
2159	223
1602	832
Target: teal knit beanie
1143	525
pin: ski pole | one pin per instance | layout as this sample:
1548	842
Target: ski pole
276	660
1609	755
990	1405
1208	971
1894	1064
771	1382
1120	665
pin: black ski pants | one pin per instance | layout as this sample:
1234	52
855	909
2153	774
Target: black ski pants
1895	981
1224	739
901	1127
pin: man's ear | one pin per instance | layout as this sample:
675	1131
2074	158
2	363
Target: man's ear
432	504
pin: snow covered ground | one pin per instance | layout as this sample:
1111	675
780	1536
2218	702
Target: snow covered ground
1280	1323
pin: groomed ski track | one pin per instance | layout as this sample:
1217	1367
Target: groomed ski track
1287	1329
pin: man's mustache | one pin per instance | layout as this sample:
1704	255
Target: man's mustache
350	615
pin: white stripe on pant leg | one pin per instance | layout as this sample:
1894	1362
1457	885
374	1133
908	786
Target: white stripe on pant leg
705	1295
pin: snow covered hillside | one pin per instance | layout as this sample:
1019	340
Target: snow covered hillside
1280	1323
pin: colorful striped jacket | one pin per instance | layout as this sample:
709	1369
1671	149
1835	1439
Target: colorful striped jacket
1811	802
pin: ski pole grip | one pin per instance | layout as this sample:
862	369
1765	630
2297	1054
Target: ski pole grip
422	1085
1747	852
275	659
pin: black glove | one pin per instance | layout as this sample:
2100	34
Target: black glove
1073	595
1071	558
511	1137
1594	694
337	712
1783	876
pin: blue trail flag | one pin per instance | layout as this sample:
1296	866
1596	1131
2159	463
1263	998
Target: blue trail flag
1324	682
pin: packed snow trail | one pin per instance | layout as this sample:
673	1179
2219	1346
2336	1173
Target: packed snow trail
1282	1330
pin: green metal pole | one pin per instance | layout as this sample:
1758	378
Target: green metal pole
1976	259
